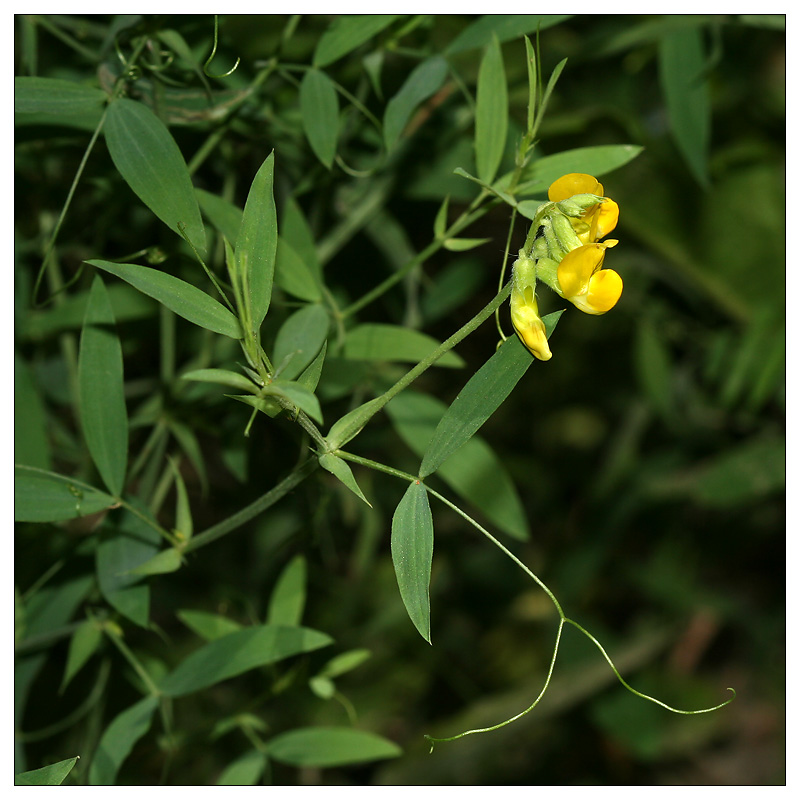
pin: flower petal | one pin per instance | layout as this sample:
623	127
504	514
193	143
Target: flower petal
577	267
574	183
605	289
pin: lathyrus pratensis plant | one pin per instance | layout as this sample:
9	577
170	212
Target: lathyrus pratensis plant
564	250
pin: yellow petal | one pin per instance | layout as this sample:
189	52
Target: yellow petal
577	267
604	219
574	183
530	328
605	289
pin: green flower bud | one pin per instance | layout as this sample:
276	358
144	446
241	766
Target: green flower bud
565	231
575	206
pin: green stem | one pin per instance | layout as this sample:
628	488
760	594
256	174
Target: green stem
472	213
133	661
254	509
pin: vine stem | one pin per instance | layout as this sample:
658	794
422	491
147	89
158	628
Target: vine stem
254	509
563	618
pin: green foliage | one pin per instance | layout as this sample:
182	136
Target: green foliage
220	537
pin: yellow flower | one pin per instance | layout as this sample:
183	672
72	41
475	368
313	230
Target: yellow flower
585	283
525	310
598	220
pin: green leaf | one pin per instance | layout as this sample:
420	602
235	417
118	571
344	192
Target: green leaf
292	274
460	245
126	543
476	474
41	496
257	242
31	446
222	214
491	112
341	469
299	340
682	61
239	652
223	376
298	395
185	300
145	154
384	342
344	662
297	233
50	101
426	79
330	747
504	26
348	32
319	106
288	598
597	161
119	739
166	561
209	626
412	555
245	770
309	378
479	399
51	775
104	417
82	646
440	223
348	426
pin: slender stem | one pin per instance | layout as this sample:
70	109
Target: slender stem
255	508
133	661
466	218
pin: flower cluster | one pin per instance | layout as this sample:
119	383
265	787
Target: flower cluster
565	252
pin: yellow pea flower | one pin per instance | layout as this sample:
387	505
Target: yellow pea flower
596	221
525	310
585	283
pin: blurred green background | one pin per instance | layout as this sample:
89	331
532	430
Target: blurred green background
649	453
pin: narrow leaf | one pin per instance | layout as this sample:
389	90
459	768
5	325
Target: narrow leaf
344	662
298	395
147	157
491	112
412	555
245	770
299	340
479	399
293	275
185	300
460	245
41	496
288	598
168	560
51	775
82	646
104	417
426	79
475	473
119	739
222	214
597	161
126	543
209	626
440	223
239	652
348	32
384	342
224	376
681	65
319	107
504	26
257	241
51	101
330	747
341	469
